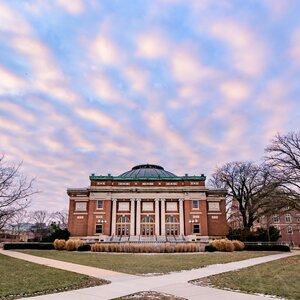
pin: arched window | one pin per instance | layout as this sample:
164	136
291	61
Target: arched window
172	219
123	220
148	220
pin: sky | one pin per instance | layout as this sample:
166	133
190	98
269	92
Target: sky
101	86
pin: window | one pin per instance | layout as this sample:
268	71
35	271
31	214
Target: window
99	228
288	218
100	204
276	219
148	219
123	220
196	228
290	229
298	220
195	204
171	219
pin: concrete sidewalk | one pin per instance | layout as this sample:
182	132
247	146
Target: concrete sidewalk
174	283
86	270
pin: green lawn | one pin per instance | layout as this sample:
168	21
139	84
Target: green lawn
21	279
144	264
279	278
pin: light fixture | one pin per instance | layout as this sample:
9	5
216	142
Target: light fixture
102	221
192	221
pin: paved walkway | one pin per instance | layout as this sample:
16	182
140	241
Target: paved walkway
124	284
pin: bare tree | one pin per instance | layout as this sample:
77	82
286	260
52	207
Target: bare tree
60	218
15	190
41	220
251	189
18	222
284	156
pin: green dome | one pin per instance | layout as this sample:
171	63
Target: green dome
148	171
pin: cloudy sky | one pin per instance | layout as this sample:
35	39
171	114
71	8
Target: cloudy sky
100	86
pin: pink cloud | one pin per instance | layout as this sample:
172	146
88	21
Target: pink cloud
249	51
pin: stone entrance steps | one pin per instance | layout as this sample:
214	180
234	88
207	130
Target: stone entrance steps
140	238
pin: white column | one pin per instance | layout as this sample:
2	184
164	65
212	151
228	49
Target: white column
157	216
114	215
132	216
181	217
138	216
163	217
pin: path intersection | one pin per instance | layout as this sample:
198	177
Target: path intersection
122	284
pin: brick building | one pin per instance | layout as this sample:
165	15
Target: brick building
287	221
147	203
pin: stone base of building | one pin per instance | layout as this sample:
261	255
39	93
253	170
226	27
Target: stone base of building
153	239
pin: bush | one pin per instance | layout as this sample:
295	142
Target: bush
78	243
238	245
210	248
228	245
37	246
260	235
223	245
266	247
70	245
147	247
84	247
59	244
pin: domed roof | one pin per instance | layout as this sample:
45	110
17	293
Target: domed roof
147	171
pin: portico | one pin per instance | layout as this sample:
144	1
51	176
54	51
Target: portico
147	217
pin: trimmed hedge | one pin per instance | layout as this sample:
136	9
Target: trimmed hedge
37	246
266	247
84	247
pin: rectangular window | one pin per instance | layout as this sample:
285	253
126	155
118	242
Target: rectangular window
195	204
99	228
290	229
288	218
100	204
298	220
276	219
196	228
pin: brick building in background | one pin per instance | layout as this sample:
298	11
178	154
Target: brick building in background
147	203
286	220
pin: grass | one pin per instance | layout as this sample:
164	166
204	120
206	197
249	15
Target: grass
147	264
149	295
23	279
279	278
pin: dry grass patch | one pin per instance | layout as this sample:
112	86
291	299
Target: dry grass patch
280	278
149	295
